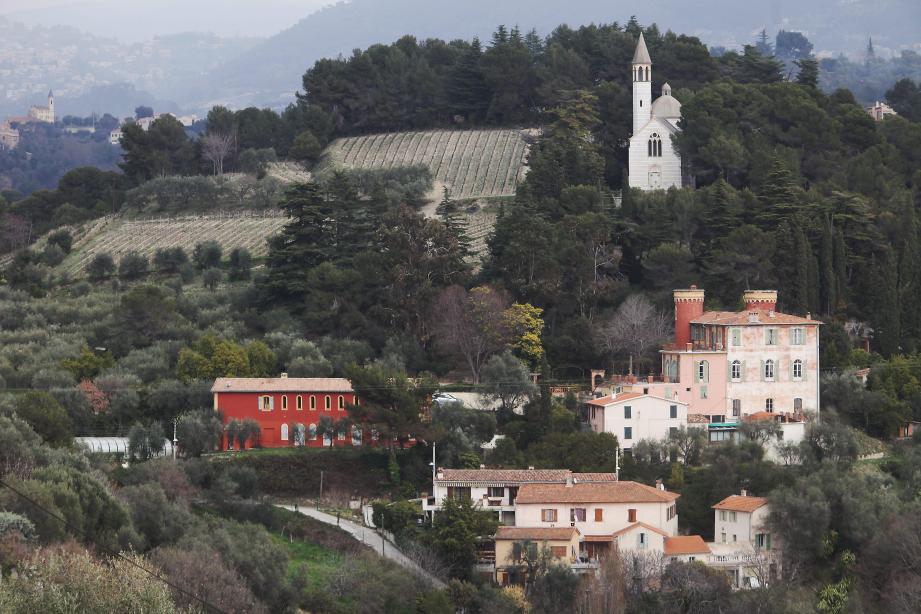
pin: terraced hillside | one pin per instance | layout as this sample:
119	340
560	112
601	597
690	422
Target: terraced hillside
117	235
470	163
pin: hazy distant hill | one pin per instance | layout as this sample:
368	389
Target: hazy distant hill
271	71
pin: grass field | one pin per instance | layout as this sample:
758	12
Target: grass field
117	235
470	163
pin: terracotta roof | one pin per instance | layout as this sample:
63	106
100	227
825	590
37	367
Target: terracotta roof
762	415
635	525
737	318
698	419
599	538
536	533
521	476
281	384
607	492
685	544
738	503
610	400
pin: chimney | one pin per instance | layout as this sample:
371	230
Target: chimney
530	467
569	480
744	493
689	304
660	485
482	466
284	376
765	300
441	474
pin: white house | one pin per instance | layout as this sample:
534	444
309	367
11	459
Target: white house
743	544
654	162
634	416
497	489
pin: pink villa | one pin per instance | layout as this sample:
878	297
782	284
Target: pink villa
726	365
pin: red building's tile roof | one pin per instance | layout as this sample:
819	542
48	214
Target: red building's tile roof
765	317
738	503
281	384
685	544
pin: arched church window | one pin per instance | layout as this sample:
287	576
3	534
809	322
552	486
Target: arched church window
654	146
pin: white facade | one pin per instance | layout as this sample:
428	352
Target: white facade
44	114
653	162
740	519
596	508
632	417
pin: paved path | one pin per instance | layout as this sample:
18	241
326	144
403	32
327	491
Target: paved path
373	539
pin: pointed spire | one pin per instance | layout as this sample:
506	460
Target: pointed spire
641	55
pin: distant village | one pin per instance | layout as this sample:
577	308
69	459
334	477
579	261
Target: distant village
10	127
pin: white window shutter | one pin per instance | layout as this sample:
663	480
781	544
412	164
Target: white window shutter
271	402
762	371
804	371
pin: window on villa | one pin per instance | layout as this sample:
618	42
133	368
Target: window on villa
770	336
769	405
736	335
628	412
313	403
735	370
284	401
558	551
340	435
341	403
736	407
797	369
496	491
631	515
723	515
328	403
732	518
356	435
265	403
284	432
769	369
797	336
599	514
300	403
672	411
628	432
797	404
312	429
641	540
703	371
672	431
548	515
723	537
577	514
703	392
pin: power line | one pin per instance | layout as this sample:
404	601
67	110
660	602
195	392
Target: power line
74	529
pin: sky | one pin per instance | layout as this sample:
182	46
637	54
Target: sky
132	21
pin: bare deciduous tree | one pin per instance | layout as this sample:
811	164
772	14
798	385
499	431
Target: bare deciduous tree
471	324
604	593
634	329
217	147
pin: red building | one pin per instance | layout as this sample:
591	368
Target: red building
288	409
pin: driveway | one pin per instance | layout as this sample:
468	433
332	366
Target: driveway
372	539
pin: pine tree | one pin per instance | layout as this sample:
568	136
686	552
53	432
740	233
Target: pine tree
763	45
467	91
447	210
808	75
840	264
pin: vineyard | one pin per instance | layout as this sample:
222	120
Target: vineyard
117	235
470	163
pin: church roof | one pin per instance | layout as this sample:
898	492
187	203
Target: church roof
666	107
641	55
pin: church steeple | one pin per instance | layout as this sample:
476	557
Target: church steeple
642	84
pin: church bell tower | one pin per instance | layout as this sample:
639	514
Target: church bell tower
642	85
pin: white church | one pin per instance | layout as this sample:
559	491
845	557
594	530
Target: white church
654	163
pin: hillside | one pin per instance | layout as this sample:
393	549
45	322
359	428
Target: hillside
117	235
270	72
470	163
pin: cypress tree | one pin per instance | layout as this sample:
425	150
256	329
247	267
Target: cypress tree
828	282
467	91
840	264
778	197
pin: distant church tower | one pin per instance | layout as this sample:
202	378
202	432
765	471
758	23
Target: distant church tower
654	163
44	114
51	106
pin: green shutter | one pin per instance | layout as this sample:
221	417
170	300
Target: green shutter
696	372
707	371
